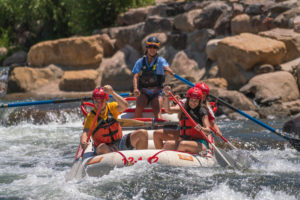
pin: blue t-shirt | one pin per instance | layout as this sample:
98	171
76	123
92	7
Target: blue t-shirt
161	62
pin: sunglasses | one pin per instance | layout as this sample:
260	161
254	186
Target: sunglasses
152	47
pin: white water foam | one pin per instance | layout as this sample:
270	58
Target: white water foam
223	191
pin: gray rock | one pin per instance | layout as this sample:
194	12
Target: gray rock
292	125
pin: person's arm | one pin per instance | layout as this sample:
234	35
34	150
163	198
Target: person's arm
205	127
136	91
216	127
84	137
166	102
168	70
122	103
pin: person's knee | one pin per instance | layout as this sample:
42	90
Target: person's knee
138	136
170	145
157	134
143	134
102	149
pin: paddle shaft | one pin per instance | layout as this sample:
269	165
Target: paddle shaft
53	101
238	110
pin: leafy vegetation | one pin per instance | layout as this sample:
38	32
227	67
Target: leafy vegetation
26	22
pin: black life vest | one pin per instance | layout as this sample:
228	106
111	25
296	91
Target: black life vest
148	77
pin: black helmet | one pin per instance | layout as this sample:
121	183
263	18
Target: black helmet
152	41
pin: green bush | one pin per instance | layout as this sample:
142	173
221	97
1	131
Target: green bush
26	22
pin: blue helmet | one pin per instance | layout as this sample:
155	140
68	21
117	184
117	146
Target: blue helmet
152	41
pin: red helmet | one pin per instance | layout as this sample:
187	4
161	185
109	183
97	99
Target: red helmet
194	92
99	94
204	87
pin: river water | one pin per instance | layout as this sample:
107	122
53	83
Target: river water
38	143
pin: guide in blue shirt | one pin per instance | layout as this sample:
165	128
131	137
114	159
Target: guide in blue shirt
148	78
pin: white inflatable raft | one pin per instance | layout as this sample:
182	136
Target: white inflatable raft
101	164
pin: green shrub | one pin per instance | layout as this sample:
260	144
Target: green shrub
26	22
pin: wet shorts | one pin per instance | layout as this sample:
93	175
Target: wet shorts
124	143
152	93
202	141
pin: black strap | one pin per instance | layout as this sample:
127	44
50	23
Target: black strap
145	68
146	73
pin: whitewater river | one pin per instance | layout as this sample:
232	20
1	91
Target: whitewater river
37	149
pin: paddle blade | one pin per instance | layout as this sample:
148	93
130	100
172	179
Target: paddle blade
225	160
76	164
74	170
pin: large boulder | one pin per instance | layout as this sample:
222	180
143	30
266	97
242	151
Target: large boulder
158	24
297	24
185	21
198	39
250	24
75	52
116	71
292	125
265	87
25	79
292	106
238	55
16	59
211	49
291	66
130	35
297	73
290	38
216	82
182	64
234	98
132	16
169	8
285	19
80	80
210	14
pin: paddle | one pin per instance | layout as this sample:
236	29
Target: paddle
138	123
76	170
294	142
225	161
231	145
53	101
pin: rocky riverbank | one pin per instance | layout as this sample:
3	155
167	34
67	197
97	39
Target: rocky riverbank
248	51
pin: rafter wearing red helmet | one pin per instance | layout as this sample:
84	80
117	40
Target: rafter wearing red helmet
210	106
187	138
107	135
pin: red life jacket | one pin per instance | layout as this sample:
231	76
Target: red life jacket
214	108
186	126
107	131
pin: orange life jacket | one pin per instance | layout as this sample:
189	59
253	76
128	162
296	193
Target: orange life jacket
107	131
186	126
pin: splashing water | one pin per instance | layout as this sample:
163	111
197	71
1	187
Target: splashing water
38	146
